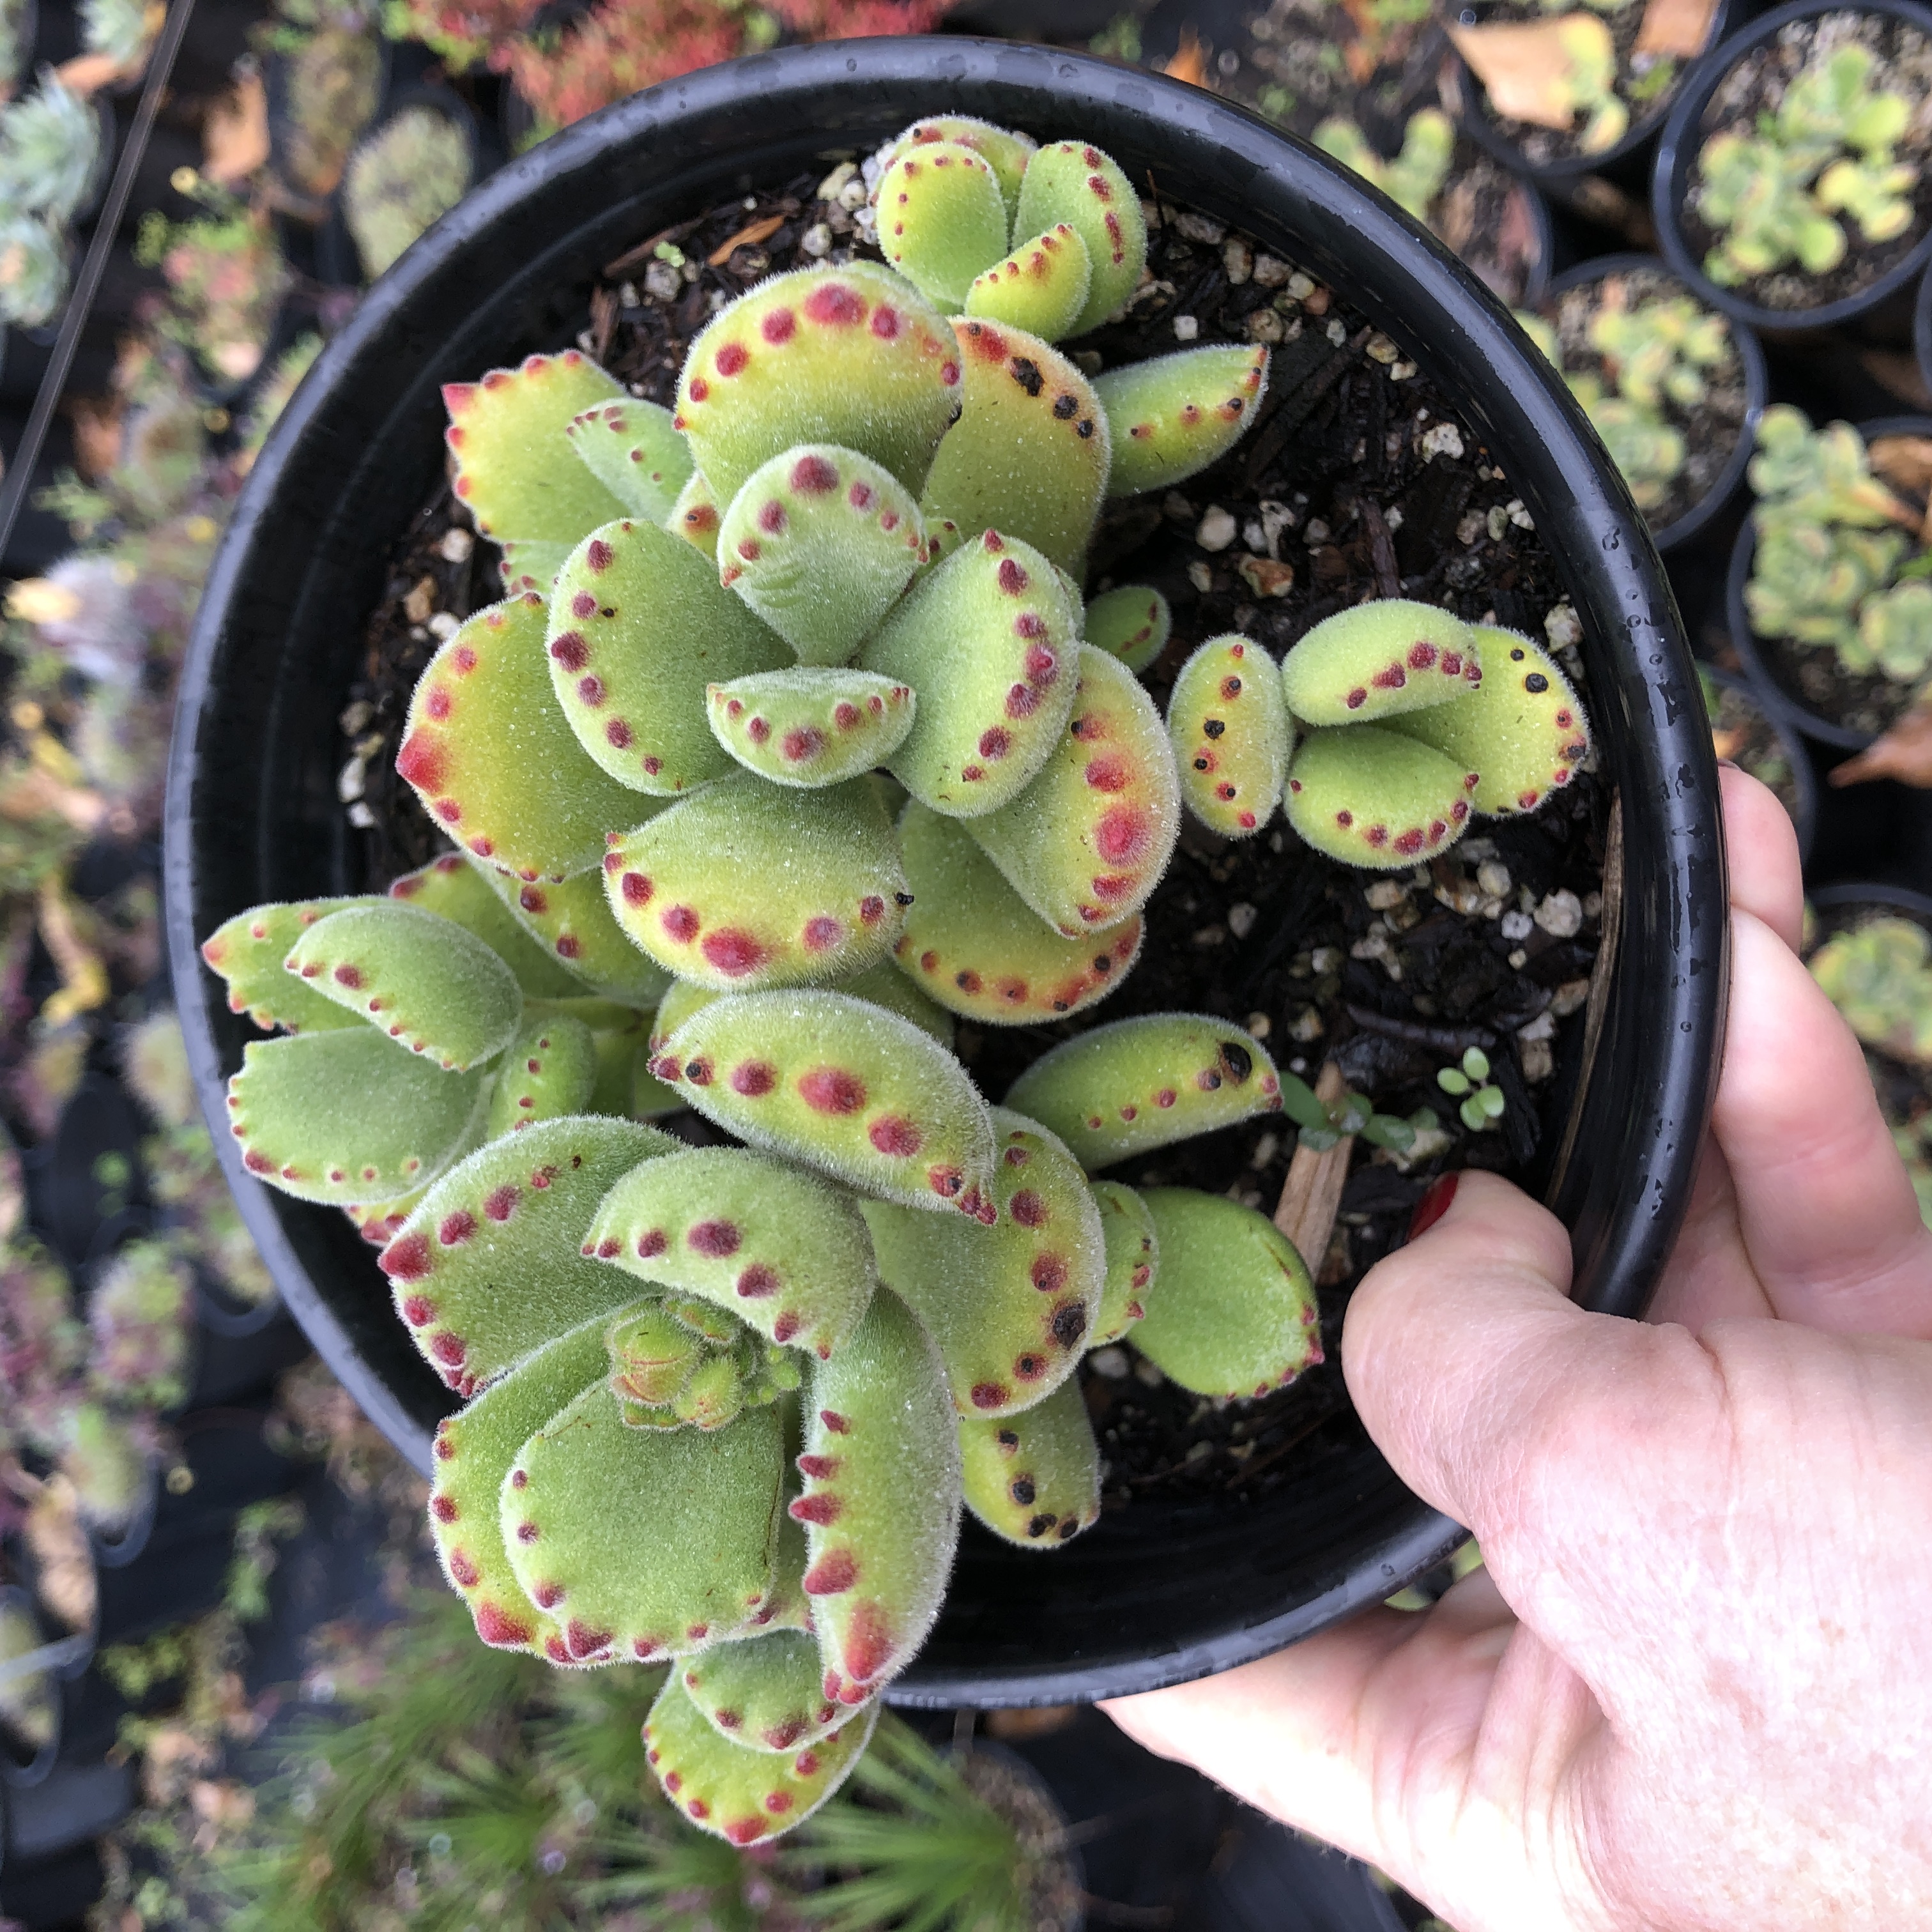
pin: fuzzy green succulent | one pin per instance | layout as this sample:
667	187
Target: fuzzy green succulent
1878	975
1776	193
123	30
856	541
407	176
1416	721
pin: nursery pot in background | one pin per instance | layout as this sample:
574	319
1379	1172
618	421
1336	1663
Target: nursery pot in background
1774	692
1725	485
1622	160
1684	133
1152	1594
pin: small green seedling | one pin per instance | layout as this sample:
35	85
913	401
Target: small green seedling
1415	177
1480	1105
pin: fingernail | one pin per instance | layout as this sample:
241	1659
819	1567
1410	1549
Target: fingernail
1728	765
1434	1204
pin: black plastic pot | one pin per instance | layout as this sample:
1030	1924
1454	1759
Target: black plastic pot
1683	137
1918	906
1921	330
1757	392
1777	697
1155	1595
1620	159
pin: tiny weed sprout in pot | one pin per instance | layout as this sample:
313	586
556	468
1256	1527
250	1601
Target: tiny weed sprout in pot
794	751
1671	384
1875	965
1836	604
1567	89
1791	181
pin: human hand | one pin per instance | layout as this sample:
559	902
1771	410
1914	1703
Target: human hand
1692	1690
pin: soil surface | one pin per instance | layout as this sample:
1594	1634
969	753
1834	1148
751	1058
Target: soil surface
1811	676
1646	83
1710	428
1357	480
1755	87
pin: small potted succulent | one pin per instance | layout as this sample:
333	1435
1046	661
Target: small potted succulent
1873	955
226	280
1791	186
1563	92
802	735
1673	386
1827	602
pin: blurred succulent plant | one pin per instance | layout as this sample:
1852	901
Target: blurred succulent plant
33	271
226	279
1823	568
407	176
1412	179
1827	151
122	31
49	152
335	86
1878	975
13	50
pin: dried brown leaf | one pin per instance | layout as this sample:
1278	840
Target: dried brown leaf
1903	753
1524	67
1678	28
235	137
1190	60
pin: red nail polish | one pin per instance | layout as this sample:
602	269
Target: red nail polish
1434	1204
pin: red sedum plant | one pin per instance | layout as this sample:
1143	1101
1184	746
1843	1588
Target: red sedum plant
724	1405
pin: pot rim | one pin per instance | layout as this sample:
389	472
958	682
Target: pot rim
1744	640
1681	142
1757	390
1624	1204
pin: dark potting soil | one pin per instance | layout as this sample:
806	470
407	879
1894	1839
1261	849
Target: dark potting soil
1742	732
1902	64
1710	428
1298	62
1357	480
1645	83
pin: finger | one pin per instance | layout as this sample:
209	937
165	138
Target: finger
1761	844
1708	1277
1828	1215
1315	1736
1531	1420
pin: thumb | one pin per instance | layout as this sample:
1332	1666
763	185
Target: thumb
1496	1399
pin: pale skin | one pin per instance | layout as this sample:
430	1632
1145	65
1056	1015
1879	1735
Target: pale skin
1692	1690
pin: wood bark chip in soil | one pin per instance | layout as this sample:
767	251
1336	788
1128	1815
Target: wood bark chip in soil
1357	480
1543	147
1710	428
1902	64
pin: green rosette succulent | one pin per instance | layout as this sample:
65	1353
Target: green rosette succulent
793	737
